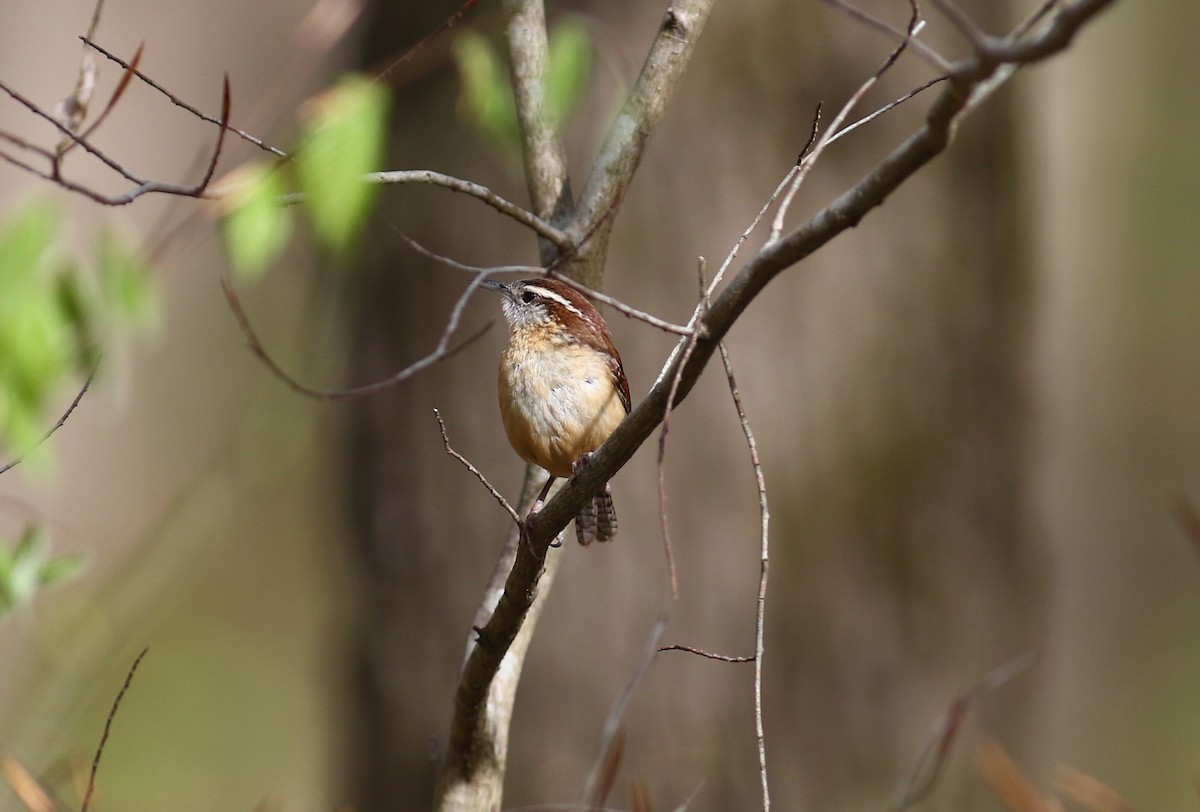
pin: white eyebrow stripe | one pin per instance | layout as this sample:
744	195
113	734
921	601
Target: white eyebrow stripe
562	300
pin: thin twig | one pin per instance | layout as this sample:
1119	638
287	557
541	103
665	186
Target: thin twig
936	60
725	658
929	766
526	218
849	128
143	186
624	309
178	102
764	567
62	128
696	326
615	304
442	351
478	475
112	714
117	93
914	25
449	23
95	18
78	397
613	723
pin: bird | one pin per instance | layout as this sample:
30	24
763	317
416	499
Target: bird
562	388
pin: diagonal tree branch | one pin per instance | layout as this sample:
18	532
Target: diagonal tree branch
626	141
543	150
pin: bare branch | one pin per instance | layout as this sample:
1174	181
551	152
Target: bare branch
542	147
143	186
536	224
689	344
626	140
914	25
495	493
178	102
441	352
78	397
849	128
112	714
725	658
62	128
760	613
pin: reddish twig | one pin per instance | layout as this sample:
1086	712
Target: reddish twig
929	766
604	765
126	77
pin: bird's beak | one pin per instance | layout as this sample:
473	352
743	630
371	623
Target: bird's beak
500	287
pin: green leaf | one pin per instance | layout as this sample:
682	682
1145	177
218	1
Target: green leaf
27	562
60	569
37	336
257	225
126	283
568	69
344	141
485	98
28	568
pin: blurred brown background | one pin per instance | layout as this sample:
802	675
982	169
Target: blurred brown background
975	412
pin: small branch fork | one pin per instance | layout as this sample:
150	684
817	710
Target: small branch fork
142	186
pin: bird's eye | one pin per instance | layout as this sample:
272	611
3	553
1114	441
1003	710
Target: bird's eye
527	297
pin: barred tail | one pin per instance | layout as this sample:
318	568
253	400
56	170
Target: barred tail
598	519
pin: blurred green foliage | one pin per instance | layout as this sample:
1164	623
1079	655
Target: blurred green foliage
257	226
28	567
486	97
50	311
343	141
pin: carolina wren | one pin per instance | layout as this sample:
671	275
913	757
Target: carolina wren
562	388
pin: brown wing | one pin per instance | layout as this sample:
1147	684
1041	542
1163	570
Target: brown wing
618	377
